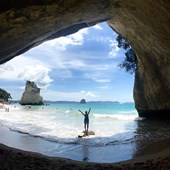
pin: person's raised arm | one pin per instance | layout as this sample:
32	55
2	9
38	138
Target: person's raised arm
81	112
89	110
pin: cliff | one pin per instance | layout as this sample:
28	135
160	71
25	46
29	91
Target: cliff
31	95
144	24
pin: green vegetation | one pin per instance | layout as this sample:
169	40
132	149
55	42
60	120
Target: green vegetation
4	95
130	62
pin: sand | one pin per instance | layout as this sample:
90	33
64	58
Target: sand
155	157
14	159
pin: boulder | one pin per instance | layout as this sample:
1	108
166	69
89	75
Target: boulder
84	134
31	95
83	101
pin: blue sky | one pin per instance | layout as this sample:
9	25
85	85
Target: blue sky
81	65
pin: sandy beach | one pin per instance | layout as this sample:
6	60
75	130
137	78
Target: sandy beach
14	159
155	156
19	151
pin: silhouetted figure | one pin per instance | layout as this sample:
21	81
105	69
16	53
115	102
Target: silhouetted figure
86	120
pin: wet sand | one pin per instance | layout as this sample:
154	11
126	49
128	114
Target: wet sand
102	154
155	156
14	159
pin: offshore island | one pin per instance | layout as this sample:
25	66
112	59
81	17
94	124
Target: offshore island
144	24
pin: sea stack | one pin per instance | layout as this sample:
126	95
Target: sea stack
83	101
31	95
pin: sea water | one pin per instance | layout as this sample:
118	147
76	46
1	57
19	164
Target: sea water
114	124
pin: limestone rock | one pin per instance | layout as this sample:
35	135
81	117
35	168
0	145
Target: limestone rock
144	24
84	134
83	101
31	95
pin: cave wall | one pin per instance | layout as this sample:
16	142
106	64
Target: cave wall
28	23
144	24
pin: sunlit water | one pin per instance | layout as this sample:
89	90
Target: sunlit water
113	124
62	122
53	130
116	126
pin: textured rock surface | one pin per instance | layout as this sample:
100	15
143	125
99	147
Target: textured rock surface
31	95
82	101
145	24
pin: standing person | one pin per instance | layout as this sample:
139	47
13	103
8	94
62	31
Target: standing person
86	120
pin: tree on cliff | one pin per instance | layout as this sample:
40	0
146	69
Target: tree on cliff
4	95
130	61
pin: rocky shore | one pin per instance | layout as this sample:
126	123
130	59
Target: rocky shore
14	159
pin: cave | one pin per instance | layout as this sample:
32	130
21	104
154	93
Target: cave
144	24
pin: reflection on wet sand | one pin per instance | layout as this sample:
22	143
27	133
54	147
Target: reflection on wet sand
85	153
151	136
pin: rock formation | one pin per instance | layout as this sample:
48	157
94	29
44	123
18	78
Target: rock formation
31	95
82	101
4	95
144	24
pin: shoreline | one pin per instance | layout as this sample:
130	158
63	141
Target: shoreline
75	152
11	158
155	156
78	150
21	151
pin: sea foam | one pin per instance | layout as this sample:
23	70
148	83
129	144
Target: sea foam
116	116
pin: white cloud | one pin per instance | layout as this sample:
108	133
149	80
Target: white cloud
75	63
38	74
114	47
79	36
97	77
103	87
97	27
89	94
11	69
91	64
73	39
4	68
67	96
99	39
102	80
23	68
21	87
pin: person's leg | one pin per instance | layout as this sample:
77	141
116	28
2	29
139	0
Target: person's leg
87	127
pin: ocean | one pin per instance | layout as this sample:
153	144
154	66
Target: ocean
116	125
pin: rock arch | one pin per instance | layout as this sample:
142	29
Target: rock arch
145	24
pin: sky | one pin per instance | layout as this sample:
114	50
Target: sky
70	68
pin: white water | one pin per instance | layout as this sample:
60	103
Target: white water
58	125
63	126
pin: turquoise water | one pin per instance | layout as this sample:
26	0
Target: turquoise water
53	130
114	124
